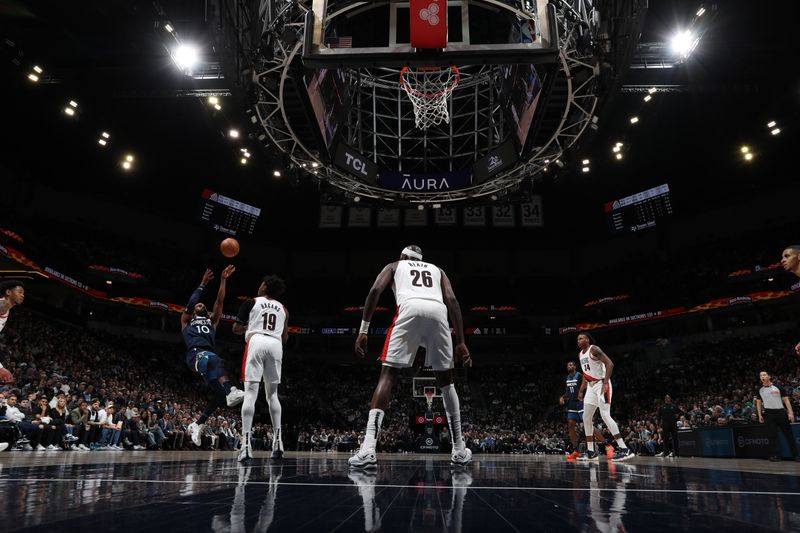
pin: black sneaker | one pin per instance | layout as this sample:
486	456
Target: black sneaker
623	454
589	456
774	458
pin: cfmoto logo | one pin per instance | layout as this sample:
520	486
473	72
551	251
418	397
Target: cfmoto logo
431	14
429	441
740	441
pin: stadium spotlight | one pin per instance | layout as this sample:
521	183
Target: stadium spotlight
129	158
169	27
647	98
234	134
585	169
69	111
314	164
617	148
108	282
618	156
748	156
771	124
126	165
585	162
37	69
701	11
683	43
105	135
33	77
217	107
213	100
356	199
73	103
186	57
420	207
243	161
744	149
651	90
775	131
102	142
634	120
276	173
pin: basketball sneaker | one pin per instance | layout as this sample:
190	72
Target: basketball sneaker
234	397
461	457
623	454
246	453
277	451
363	459
3	446
573	456
589	456
198	431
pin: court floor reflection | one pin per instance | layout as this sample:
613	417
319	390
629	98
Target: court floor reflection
201	492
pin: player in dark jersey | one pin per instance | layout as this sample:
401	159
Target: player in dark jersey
199	334
574	408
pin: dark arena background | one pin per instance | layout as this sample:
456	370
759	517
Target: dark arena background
611	183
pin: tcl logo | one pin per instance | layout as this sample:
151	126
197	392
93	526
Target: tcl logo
430	13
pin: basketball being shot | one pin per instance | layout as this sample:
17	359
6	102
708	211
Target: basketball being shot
523	176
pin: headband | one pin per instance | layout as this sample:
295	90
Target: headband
412	254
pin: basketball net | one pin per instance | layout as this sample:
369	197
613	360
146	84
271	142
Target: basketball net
429	398
429	88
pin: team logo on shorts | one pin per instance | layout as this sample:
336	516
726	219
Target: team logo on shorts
431	14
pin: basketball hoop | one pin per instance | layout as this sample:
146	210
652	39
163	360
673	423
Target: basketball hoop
428	89
429	393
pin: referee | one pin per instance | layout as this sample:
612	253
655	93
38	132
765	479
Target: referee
770	402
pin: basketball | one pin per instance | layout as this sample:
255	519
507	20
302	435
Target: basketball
6	376
229	247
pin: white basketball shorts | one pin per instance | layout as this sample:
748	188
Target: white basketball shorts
263	356
594	394
419	323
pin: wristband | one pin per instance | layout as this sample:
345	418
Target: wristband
364	329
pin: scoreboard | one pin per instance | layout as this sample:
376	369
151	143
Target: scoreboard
227	215
639	211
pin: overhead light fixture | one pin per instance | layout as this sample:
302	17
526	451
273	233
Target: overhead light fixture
618	156
683	43
356	199
37	69
186	57
771	124
33	77
748	156
276	173
105	135
243	161
585	169
217	107
102	142
701	11
126	165
616	148
651	90
744	149
246	154
234	134
169	27
776	131
73	103
634	120
647	98
546	161
69	111
314	164
213	100
108	282
585	162
129	158
420	207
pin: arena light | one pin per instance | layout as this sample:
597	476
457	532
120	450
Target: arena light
634	120
186	57
420	207
33	77
356	199
246	154
169	27
651	90
748	156
69	111
129	158
647	98
683	43
105	135
217	107
126	165
775	131
73	103
276	173
213	100
701	11
234	134
314	164
618	156
243	161
744	149
771	124
37	69
585	162
585	169
102	142
109	282
617	148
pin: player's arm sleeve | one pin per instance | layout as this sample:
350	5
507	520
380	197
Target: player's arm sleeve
243	316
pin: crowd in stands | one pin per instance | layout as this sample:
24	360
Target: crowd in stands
84	390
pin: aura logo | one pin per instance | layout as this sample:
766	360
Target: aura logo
431	14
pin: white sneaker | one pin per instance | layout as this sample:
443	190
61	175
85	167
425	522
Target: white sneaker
82	447
461	457
246	453
51	448
138	448
234	397
363	459
660	454
41	448
3	446
197	431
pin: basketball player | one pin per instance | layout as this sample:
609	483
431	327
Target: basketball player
424	298
199	333
790	261
596	393
12	293
265	324
574	408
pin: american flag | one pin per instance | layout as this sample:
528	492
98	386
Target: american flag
341	42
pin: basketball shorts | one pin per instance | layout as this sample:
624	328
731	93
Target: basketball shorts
575	411
594	394
206	363
419	323
263	356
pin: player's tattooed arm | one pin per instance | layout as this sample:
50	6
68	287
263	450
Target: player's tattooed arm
208	275
601	355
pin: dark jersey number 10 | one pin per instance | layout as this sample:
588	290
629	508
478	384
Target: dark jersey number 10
423	278
269	321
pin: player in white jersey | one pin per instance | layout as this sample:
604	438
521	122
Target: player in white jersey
424	299
12	293
596	393
264	322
